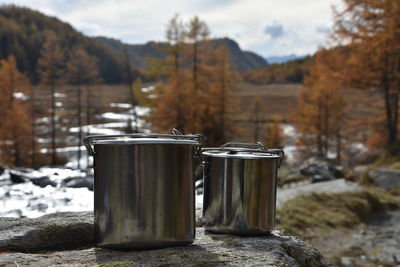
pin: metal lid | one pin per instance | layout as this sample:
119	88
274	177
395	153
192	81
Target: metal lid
139	138
244	151
239	154
137	141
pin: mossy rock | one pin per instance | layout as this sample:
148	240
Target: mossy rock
63	230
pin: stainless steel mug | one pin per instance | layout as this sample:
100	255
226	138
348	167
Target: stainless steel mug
143	189
240	188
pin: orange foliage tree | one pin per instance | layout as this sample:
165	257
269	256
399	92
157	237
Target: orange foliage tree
370	29
274	133
82	71
15	125
194	95
321	107
51	72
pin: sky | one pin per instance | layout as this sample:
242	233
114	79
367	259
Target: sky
267	27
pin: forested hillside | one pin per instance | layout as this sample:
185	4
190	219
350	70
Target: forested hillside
289	72
138	53
24	31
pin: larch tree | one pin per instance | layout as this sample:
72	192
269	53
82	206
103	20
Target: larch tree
15	125
171	108
197	54
274	133
82	71
223	106
371	30
51	71
319	117
194	92
256	115
132	96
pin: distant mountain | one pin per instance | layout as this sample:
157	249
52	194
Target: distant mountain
23	32
137	53
241	60
283	59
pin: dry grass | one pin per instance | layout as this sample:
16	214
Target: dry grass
276	99
313	213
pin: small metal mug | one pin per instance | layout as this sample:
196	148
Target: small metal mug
240	188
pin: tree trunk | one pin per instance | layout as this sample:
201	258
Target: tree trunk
391	108
87	121
391	95
319	132
195	64
222	110
53	124
338	147
326	132
257	124
33	130
79	119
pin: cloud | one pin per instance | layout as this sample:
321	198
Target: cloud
323	29
275	30
300	29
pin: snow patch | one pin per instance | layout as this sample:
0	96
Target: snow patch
20	95
120	105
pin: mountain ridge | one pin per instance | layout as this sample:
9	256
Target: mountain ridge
283	59
241	60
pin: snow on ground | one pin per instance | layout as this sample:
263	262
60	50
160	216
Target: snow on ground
142	111
148	89
291	149
290	153
42	120
120	105
60	95
290	135
116	116
20	95
29	200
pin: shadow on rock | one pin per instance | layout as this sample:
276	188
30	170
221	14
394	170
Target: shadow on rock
191	255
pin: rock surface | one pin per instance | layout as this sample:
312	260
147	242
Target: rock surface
320	171
335	186
79	182
63	229
59	229
385	178
377	243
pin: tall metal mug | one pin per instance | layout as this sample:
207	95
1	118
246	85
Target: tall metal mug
143	189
